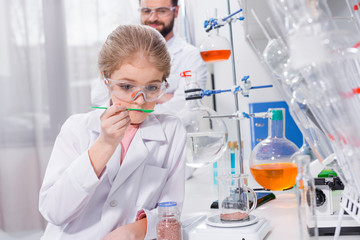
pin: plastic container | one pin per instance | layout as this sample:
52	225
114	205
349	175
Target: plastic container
270	161
169	226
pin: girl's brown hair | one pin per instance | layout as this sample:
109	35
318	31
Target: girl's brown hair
128	42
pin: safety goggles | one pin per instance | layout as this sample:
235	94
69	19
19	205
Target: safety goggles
160	11
128	91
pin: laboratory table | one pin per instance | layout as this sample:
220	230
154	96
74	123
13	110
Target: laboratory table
200	192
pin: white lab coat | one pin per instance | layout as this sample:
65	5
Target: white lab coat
78	205
184	56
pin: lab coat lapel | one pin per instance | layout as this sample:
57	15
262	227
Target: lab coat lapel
135	155
151	130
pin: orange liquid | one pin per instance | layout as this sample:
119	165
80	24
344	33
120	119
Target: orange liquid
215	55
275	176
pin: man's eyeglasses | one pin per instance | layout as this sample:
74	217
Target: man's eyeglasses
128	91
160	11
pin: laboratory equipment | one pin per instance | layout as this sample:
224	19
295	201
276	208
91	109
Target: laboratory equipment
215	48
319	53
201	230
215	23
328	190
206	138
129	109
168	226
270	161
306	198
233	148
234	200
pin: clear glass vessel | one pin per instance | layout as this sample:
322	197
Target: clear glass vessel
270	161
206	137
169	226
215	48
234	201
306	199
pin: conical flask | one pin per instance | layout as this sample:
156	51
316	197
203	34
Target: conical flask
206	137
270	161
215	48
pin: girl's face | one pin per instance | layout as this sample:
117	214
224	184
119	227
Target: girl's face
138	73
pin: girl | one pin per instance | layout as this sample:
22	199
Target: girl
109	168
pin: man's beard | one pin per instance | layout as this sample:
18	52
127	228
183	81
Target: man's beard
166	30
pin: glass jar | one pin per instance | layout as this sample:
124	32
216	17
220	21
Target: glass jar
270	161
206	137
169	226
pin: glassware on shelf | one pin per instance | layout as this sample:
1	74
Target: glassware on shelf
215	48
169	226
206	137
270	161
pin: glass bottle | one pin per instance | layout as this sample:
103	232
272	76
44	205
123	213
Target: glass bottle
169	226
270	161
306	199
206	137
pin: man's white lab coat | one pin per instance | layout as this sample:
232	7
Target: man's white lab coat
183	57
78	205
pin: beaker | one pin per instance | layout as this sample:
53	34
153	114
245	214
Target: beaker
270	161
234	201
215	48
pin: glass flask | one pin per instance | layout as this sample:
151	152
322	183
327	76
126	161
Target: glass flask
206	137
215	48
169	226
270	161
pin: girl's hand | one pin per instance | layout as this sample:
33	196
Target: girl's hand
114	122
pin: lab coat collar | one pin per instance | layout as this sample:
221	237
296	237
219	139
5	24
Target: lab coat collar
151	129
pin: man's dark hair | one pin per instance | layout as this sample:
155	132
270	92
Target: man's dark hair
173	2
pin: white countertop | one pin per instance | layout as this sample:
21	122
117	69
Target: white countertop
200	192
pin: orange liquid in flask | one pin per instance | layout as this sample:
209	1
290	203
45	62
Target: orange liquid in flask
275	176
215	55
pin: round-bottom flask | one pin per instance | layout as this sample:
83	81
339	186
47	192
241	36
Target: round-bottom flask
206	137
270	161
215	48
